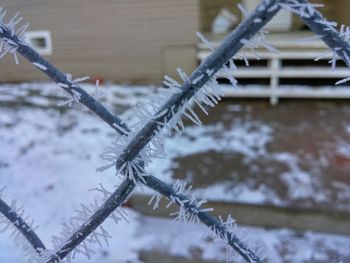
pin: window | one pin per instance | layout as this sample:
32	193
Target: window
40	41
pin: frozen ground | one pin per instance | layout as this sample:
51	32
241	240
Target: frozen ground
49	156
282	245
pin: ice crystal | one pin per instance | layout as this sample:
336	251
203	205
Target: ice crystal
134	170
82	218
71	88
13	228
40	66
302	9
155	199
188	208
205	41
98	93
8	46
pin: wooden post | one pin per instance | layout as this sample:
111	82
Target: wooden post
275	65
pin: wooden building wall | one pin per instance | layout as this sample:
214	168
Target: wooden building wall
125	40
120	40
335	10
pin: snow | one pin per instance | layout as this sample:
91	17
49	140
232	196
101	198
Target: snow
162	235
348	129
299	182
49	156
344	149
246	138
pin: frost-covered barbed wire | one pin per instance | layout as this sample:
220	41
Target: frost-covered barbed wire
6	44
16	44
173	108
74	235
83	217
230	224
301	8
75	95
199	85
188	207
259	40
21	229
337	41
220	228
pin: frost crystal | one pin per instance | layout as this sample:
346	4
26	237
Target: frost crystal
73	94
338	52
98	93
301	9
15	234
155	199
7	46
132	170
189	208
205	41
39	66
82	218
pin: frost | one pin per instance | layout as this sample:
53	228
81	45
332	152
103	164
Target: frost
309	39
341	38
82	79
158	118
15	234
257	20
98	93
63	85
74	97
39	66
182	74
132	170
155	199
243	10
343	81
8	46
166	119
209	72
120	127
205	41
172	84
303	10
198	79
74	94
189	208
74	227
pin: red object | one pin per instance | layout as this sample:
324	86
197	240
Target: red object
98	79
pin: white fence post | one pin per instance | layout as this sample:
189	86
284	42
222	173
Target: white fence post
275	65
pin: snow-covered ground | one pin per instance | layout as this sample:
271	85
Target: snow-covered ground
49	156
281	245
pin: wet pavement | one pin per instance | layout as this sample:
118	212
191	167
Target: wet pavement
305	163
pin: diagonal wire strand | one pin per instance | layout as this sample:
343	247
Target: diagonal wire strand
328	34
108	207
26	230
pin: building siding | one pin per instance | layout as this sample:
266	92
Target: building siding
335	10
119	40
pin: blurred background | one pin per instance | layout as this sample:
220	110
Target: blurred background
275	153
